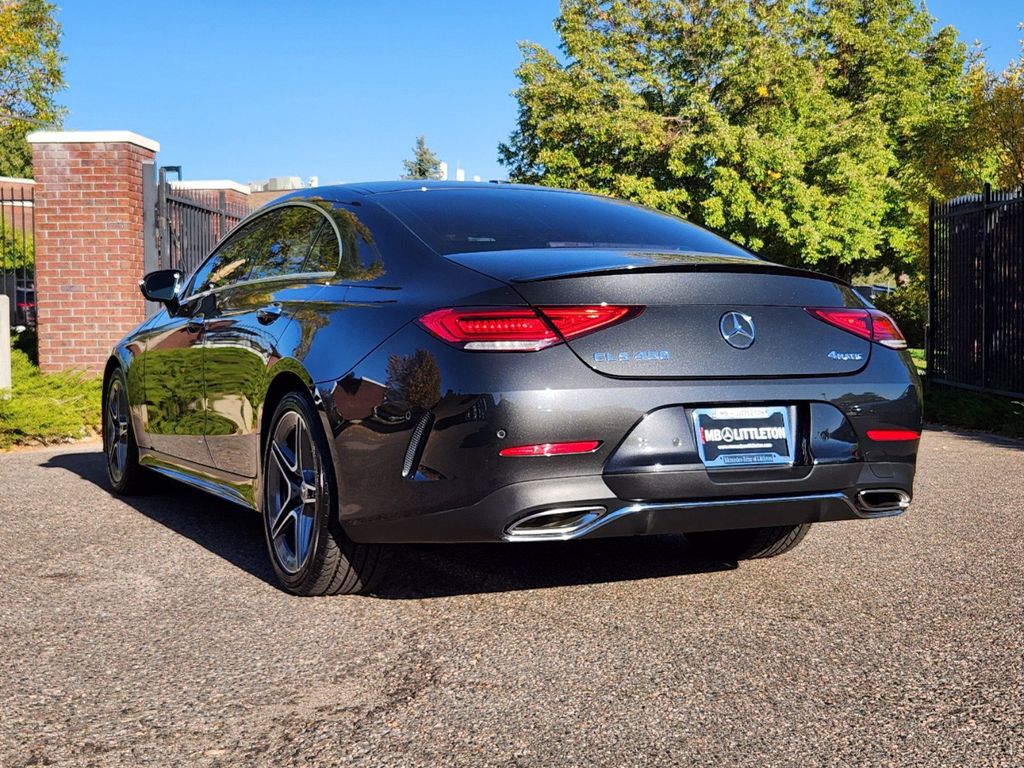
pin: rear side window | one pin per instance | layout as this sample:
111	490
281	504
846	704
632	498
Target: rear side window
500	219
323	256
285	250
360	258
354	257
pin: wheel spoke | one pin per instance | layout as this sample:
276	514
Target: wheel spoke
285	464
285	502
303	528
300	440
283	517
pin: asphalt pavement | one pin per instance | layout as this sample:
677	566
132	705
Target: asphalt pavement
150	632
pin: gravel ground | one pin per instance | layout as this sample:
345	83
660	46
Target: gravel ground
149	632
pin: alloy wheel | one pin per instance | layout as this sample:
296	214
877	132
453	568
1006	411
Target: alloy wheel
292	492
116	430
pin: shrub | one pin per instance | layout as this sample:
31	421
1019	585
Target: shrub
48	407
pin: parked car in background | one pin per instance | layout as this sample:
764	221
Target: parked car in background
435	362
21	293
25	305
872	292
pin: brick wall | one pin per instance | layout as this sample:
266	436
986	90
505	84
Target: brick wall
89	243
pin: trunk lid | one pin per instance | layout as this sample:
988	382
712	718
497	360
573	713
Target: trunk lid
692	303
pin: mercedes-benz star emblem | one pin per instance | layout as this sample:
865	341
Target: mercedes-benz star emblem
737	329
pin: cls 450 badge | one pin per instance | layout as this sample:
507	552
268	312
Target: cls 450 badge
640	356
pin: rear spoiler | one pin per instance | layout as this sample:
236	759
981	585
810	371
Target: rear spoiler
539	265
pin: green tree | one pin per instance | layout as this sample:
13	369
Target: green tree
31	74
424	164
798	129
1000	120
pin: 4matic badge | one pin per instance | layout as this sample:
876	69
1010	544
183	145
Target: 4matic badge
845	355
640	356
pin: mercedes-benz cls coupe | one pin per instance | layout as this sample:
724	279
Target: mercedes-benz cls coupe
430	362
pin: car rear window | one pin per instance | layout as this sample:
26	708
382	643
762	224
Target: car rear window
483	219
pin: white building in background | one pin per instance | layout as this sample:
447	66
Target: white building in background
283	184
460	173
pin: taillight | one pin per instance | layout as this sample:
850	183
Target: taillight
520	329
871	324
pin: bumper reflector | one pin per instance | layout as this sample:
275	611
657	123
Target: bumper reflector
892	435
552	449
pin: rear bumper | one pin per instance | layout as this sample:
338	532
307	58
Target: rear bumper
491	518
416	432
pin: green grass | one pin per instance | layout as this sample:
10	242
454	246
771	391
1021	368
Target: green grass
974	410
44	408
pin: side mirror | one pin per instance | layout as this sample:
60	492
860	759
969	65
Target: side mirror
161	286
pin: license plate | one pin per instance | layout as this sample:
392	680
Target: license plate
744	437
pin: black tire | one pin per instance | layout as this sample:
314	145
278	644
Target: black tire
120	451
748	543
328	562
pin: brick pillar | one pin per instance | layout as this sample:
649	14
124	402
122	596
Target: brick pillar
89	242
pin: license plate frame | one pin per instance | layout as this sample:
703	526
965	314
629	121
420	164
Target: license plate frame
747	437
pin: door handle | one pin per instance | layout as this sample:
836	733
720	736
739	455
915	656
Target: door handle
195	323
268	314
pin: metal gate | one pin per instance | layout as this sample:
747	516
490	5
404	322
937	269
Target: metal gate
17	251
189	223
976	292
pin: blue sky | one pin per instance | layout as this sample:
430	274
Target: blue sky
336	89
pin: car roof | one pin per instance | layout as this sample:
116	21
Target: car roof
342	192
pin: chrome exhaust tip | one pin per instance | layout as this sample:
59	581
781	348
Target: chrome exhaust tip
882	502
557	523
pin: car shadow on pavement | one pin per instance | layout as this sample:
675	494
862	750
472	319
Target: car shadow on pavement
227	530
443	570
416	571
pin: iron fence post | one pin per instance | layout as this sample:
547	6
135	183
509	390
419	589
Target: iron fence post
164	260
5	345
929	331
222	204
986	288
163	235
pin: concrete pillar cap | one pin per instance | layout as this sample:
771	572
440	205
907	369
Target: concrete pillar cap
93	137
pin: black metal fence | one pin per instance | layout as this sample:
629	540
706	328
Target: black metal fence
17	252
191	222
976	292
